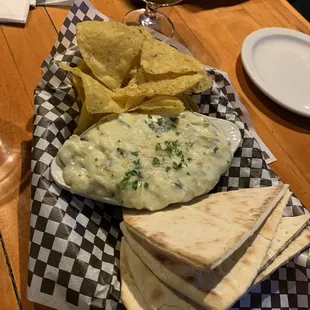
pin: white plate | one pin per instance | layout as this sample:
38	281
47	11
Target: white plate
278	61
229	130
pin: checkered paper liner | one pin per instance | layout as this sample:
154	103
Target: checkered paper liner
75	242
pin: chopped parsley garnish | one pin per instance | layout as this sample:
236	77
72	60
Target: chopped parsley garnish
177	133
216	149
178	153
155	161
171	148
122	184
135	153
132	178
131	173
151	125
158	147
137	163
146	185
118	140
188	173
134	185
121	151
177	166
174	121
161	124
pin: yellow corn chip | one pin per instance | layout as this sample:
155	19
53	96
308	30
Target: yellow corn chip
108	49
98	98
158	58
162	105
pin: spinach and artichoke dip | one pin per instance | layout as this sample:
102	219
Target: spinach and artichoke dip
146	161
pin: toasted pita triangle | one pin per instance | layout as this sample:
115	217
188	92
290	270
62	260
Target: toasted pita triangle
296	246
141	289
288	229
218	288
130	294
204	234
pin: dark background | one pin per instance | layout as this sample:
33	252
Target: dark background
303	6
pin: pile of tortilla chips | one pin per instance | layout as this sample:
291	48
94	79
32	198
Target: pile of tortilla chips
126	69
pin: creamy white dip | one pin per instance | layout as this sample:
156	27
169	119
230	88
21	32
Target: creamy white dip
146	161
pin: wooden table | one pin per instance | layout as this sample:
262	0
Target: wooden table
212	29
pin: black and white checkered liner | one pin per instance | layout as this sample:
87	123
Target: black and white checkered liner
75	242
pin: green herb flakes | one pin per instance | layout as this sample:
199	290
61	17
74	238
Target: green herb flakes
177	166
134	185
151	125
160	121
158	147
155	161
137	163
120	151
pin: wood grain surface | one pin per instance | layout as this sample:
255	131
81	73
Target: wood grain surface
213	30
8	300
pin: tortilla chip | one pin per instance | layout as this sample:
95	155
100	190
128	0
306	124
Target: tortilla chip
158	58
162	105
203	85
151	88
98	98
78	84
108	49
84	68
189	103
86	120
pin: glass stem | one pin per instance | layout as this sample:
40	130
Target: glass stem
148	18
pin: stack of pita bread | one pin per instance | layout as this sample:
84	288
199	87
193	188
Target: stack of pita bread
210	253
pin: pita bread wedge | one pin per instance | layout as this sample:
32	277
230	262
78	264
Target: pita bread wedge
130	294
296	246
288	229
218	288
225	219
143	284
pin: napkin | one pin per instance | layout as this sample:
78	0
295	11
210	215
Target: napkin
14	11
55	2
